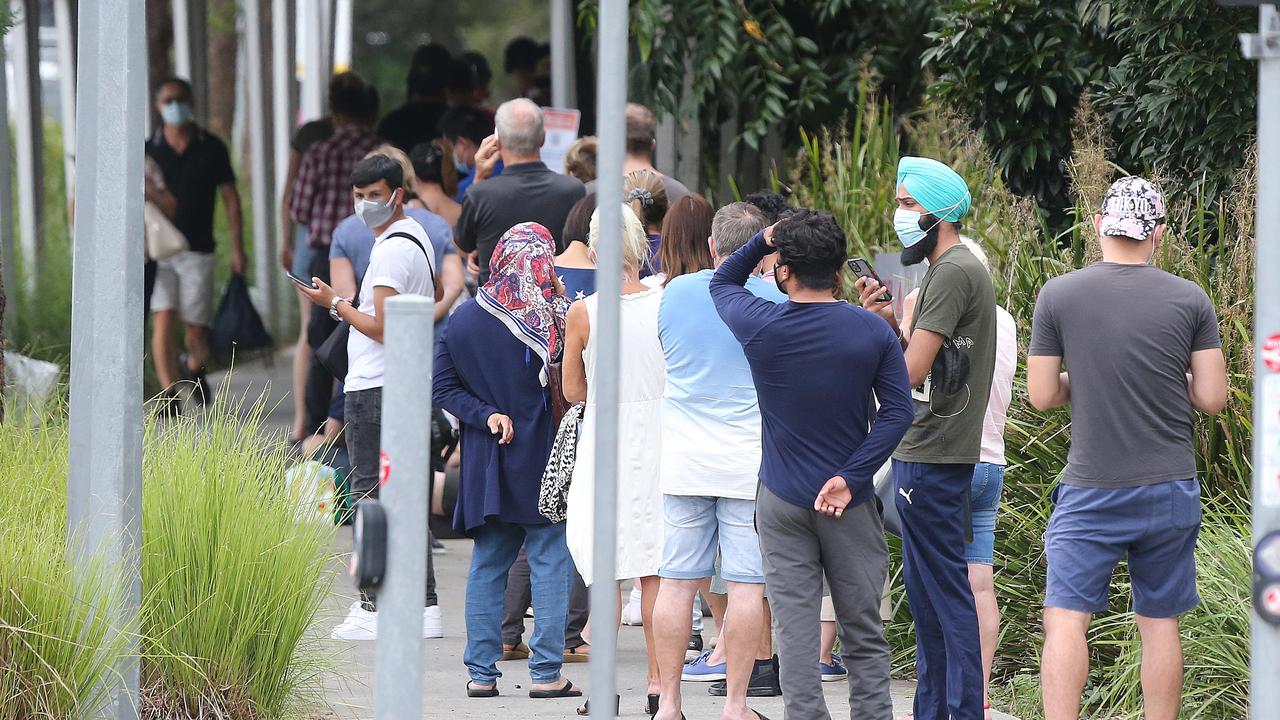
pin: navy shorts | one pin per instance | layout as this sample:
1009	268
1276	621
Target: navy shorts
1156	526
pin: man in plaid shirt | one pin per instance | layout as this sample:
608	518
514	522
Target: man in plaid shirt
322	194
321	198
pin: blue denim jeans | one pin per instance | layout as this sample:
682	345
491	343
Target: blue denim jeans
551	574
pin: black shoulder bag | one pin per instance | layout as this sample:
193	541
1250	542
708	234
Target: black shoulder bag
332	353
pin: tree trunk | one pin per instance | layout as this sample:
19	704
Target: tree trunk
223	45
159	41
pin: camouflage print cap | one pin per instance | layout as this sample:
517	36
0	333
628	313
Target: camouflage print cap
1133	207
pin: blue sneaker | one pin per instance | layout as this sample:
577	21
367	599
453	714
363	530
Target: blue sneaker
697	670
833	671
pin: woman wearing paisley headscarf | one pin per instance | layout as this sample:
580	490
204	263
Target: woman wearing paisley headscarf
491	373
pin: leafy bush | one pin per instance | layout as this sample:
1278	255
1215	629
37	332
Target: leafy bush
233	574
851	172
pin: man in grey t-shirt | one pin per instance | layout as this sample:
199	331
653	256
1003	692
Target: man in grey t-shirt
1141	350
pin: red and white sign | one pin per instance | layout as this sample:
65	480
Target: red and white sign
1271	353
561	126
384	468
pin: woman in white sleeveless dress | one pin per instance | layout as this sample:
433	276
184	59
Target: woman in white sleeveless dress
642	378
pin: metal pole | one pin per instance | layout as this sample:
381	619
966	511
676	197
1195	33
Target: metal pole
326	35
29	139
264	240
182	39
1265	47
564	85
406	442
611	99
282	118
7	267
313	70
104	484
342	24
65	21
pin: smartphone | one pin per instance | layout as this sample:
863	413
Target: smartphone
304	283
862	268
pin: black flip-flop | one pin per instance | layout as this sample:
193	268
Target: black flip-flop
586	706
758	715
568	690
475	692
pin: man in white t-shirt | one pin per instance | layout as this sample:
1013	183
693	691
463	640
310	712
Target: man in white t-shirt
710	468
398	264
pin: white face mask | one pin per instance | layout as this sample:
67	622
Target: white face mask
375	214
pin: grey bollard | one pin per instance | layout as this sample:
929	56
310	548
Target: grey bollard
406	446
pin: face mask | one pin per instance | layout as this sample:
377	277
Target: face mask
176	113
375	214
906	223
461	167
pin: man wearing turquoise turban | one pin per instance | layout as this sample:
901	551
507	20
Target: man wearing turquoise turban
950	357
932	198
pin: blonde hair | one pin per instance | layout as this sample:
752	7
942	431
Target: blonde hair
644	192
398	155
580	160
635	244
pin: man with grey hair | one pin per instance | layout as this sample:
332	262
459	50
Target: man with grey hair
708	474
526	191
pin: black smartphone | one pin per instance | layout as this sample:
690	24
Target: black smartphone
304	283
862	268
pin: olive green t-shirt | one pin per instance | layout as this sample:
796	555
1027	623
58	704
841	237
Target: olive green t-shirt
957	302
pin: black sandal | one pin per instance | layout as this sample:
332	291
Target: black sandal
475	692
651	704
586	706
566	690
758	715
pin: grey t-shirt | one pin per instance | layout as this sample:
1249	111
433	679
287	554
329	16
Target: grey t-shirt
1126	333
957	302
675	189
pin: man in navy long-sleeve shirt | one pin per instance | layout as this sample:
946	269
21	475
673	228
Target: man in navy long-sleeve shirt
816	361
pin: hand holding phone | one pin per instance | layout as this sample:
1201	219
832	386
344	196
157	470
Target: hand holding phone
304	283
862	268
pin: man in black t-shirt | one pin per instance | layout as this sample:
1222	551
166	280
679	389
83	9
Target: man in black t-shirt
196	168
418	119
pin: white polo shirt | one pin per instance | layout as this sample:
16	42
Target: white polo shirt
395	263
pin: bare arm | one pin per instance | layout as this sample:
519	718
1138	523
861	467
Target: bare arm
920	354
1047	386
235	220
452	282
573	368
1207	381
342	274
286	222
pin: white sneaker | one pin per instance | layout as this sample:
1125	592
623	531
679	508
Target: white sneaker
432	622
359	625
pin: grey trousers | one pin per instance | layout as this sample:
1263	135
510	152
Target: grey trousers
363	431
520	595
799	547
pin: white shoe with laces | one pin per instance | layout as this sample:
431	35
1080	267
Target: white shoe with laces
360	624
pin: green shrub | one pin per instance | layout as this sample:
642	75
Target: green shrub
851	172
233	573
55	652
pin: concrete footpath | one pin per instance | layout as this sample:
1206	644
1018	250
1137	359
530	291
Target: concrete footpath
349	693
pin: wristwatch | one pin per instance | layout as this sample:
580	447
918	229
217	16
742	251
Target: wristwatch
333	308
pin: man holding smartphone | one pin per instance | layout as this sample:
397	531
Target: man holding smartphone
398	263
950	357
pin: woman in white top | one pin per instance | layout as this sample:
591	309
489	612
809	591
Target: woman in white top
988	479
641	381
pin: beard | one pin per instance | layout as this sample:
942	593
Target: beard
919	252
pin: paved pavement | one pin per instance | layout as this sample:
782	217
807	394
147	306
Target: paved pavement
349	693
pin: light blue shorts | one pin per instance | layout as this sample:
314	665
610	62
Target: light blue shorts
984	500
697	525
